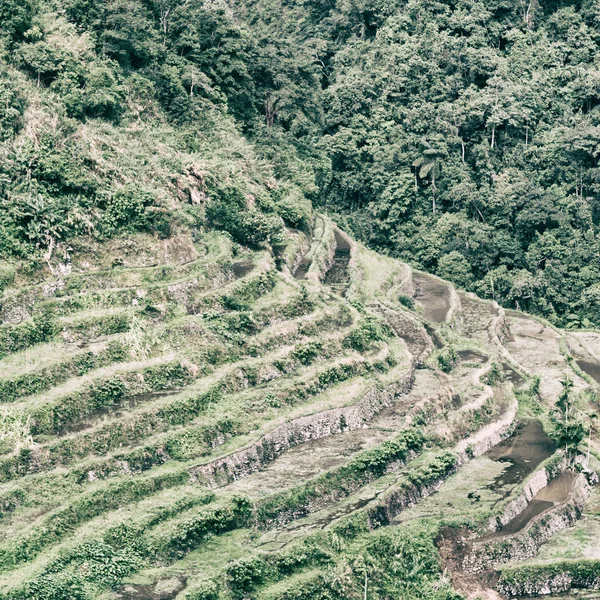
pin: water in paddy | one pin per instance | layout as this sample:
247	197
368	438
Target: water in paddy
511	375
167	591
556	492
523	451
434	296
242	268
591	367
302	268
337	276
470	356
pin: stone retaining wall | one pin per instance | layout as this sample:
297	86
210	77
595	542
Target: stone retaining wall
313	427
526	544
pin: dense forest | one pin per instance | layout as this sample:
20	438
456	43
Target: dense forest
461	136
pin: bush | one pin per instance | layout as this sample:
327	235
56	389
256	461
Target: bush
12	106
7	275
295	210
494	375
44	61
92	92
15	16
362	337
406	301
126	209
447	359
56	586
245	574
207	590
228	210
306	353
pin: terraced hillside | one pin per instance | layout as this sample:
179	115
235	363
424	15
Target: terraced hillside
203	421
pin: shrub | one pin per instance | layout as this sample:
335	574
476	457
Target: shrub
43	60
494	375
7	275
306	353
406	301
207	590
15	16
295	210
56	586
447	359
12	106
243	575
127	209
228	210
362	337
93	91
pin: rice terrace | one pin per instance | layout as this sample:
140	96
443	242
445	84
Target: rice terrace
299	301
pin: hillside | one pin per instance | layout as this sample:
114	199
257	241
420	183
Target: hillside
206	420
213	386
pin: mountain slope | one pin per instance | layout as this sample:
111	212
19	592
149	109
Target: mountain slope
198	404
208	389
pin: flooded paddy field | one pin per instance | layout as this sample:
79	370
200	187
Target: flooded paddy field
434	296
485	481
338	276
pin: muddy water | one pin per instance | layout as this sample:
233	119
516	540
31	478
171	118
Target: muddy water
556	492
524	451
242	268
434	296
114	410
302	268
470	356
163	590
511	375
591	367
338	276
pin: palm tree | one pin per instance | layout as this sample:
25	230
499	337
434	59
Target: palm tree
430	165
593	417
